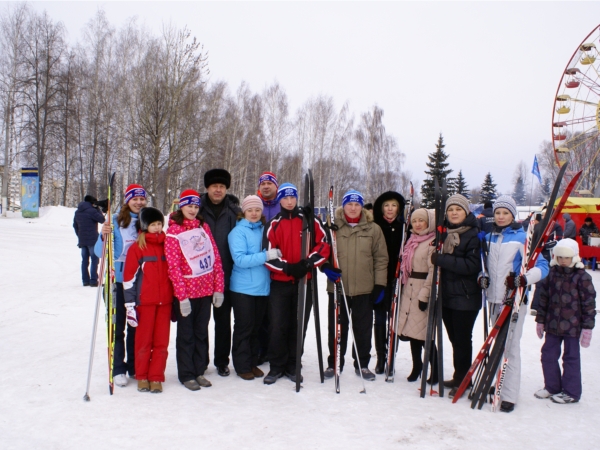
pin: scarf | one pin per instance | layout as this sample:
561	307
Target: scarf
352	221
453	238
409	251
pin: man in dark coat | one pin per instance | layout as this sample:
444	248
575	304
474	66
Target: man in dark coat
86	220
586	229
570	228
219	210
486	218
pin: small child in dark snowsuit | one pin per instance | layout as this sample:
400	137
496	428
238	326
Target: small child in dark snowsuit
566	313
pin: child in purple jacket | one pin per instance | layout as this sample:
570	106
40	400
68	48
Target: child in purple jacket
566	313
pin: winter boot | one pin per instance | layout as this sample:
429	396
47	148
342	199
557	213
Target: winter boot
434	377
380	332
415	351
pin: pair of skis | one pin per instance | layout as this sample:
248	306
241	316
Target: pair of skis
501	333
308	241
392	347
434	310
105	290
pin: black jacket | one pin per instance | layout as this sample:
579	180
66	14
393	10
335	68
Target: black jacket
221	226
391	231
585	232
460	269
486	220
86	222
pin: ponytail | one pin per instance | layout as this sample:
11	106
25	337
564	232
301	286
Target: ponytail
141	240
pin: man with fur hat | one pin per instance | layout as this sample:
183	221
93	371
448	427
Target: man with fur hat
86	220
566	314
505	253
219	210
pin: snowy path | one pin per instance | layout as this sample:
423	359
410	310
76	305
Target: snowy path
45	328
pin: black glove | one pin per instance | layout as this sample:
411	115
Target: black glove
307	263
483	281
423	305
332	273
377	294
434	258
297	270
102	204
550	245
308	212
515	281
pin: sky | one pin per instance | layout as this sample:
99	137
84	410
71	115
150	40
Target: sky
484	74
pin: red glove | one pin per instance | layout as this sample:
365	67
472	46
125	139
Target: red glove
513	282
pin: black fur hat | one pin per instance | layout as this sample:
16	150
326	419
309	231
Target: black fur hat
90	199
214	176
389	195
147	216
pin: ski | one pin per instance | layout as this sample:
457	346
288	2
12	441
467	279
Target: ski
336	301
313	284
102	266
305	242
433	308
109	293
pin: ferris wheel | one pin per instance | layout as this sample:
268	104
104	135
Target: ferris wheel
576	114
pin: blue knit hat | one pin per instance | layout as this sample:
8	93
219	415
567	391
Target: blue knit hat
287	190
353	196
506	201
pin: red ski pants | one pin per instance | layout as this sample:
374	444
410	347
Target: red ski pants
152	341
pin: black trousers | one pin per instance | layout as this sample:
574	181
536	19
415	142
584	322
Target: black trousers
120	366
459	326
362	324
222	317
283	324
191	343
248	313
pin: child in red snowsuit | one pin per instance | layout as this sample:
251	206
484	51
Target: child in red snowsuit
148	299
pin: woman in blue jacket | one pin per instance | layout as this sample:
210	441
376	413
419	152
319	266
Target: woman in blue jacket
250	285
124	234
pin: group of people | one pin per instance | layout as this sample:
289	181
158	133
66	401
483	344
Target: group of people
220	255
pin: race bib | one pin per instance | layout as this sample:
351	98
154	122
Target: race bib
197	250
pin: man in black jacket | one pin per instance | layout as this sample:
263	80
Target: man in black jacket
86	220
219	210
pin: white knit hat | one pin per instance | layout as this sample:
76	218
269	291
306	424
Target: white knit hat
567	248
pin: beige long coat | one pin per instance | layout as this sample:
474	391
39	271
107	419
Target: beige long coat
412	322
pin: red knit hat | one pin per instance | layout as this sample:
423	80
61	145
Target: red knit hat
134	190
189	197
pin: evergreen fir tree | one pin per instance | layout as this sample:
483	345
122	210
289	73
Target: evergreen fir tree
437	166
488	189
461	185
519	194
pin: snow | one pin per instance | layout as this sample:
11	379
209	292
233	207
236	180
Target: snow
45	329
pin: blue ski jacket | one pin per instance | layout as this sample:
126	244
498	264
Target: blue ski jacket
250	276
121	244
505	254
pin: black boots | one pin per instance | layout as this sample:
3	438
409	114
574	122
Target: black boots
380	332
415	351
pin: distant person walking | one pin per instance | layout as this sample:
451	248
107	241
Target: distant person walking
570	231
86	220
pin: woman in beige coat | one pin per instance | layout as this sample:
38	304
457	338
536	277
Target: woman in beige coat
417	272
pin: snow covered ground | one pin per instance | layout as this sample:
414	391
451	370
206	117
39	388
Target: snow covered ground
45	329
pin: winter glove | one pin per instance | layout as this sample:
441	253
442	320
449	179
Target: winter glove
185	307
218	299
422	305
332	273
297	270
131	315
274	253
586	337
550	245
539	329
308	212
377	294
483	281
434	258
515	281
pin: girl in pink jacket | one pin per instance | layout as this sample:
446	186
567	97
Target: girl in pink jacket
196	272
